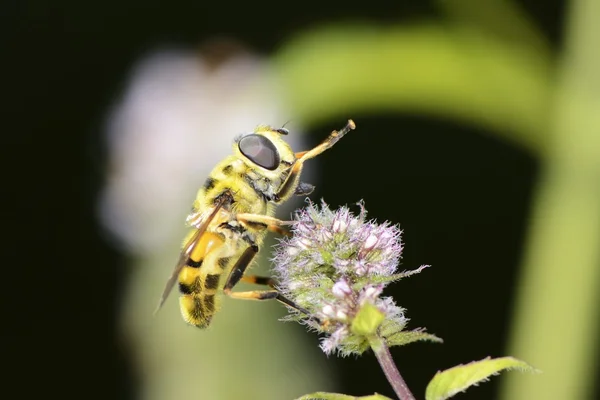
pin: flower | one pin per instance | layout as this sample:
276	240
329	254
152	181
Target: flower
335	264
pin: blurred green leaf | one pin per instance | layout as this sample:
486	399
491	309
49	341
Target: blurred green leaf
453	72
447	383
556	321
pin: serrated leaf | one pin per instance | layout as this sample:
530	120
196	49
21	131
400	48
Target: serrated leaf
457	379
339	396
396	277
367	320
406	337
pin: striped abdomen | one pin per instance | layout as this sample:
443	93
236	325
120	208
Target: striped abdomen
200	280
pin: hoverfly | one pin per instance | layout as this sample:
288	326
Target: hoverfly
230	217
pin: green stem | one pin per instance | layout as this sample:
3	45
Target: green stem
556	324
382	352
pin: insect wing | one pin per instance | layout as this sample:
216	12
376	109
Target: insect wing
189	247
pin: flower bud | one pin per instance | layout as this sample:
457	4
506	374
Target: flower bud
341	289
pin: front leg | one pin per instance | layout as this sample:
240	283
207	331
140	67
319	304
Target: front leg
292	181
257	222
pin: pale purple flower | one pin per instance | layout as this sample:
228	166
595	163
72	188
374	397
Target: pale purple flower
334	263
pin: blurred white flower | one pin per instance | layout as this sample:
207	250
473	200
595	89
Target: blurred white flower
177	119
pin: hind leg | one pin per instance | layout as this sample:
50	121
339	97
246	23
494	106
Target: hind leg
237	275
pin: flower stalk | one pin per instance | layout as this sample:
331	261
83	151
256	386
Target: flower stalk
382	352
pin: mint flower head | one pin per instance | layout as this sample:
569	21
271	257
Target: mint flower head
335	266
334	269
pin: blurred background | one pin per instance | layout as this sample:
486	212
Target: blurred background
478	132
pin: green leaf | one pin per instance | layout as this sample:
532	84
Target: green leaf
367	320
447	383
405	337
396	277
338	71
338	396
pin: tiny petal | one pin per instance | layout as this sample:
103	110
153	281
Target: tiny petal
303	228
328	345
341	315
372	292
338	226
370	242
360	270
296	285
341	289
304	243
292	251
328	311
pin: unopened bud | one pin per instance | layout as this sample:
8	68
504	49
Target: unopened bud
370	242
328	311
341	289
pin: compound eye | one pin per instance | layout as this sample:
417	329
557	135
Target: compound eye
260	151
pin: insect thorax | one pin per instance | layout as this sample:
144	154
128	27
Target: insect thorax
251	189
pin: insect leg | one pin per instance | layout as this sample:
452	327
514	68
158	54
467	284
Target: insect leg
291	182
237	275
268	281
259	222
259	280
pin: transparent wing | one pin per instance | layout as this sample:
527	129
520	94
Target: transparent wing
187	249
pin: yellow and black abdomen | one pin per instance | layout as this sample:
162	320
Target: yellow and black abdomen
201	279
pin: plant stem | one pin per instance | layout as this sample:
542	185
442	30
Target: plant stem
382	352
